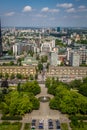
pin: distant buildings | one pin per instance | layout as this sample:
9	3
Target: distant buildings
58	29
47	46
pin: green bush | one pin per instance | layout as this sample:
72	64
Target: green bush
11	117
79	117
6	123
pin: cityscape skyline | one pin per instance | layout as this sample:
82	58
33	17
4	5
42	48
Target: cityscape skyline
51	13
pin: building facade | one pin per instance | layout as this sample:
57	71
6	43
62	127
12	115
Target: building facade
54	58
75	59
67	73
23	70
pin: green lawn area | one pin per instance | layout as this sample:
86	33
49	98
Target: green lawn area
10	126
27	126
64	126
80	127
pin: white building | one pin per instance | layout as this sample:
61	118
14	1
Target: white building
54	58
17	49
47	46
75	59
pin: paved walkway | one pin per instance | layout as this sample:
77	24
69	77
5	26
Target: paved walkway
45	112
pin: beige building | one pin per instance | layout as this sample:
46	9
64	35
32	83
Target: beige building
24	70
67	73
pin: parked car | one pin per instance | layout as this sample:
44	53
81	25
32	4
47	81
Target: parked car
58	127
50	124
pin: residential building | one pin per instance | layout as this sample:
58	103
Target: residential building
54	58
75	59
67	73
24	70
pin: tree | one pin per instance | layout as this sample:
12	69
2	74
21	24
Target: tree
31	77
19	76
12	76
4	84
6	75
83	89
19	103
75	83
40	67
1	75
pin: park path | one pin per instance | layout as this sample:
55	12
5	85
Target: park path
45	112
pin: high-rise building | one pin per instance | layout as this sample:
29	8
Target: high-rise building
75	59
58	29
54	58
0	41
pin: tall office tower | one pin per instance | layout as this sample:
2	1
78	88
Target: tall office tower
0	41
58	29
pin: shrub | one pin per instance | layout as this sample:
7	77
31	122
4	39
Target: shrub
11	117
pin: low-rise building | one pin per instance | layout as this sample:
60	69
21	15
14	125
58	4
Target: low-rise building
23	70
67	73
29	61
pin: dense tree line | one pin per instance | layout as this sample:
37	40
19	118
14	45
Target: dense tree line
22	100
80	85
66	99
32	87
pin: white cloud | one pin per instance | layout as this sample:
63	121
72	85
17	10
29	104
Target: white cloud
54	10
45	9
27	8
10	14
71	10
82	7
65	5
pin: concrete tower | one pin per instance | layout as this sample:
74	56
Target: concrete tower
0	40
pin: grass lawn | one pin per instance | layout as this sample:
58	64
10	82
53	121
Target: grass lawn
84	127
27	126
64	126
10	126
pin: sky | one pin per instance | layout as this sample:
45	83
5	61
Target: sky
43	13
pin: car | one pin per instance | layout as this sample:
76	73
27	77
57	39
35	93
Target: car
58	127
33	125
58	122
41	126
50	124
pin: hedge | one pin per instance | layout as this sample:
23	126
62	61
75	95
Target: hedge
11	118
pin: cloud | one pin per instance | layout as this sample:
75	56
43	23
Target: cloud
10	14
65	5
46	9
54	10
71	10
27	8
82	7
